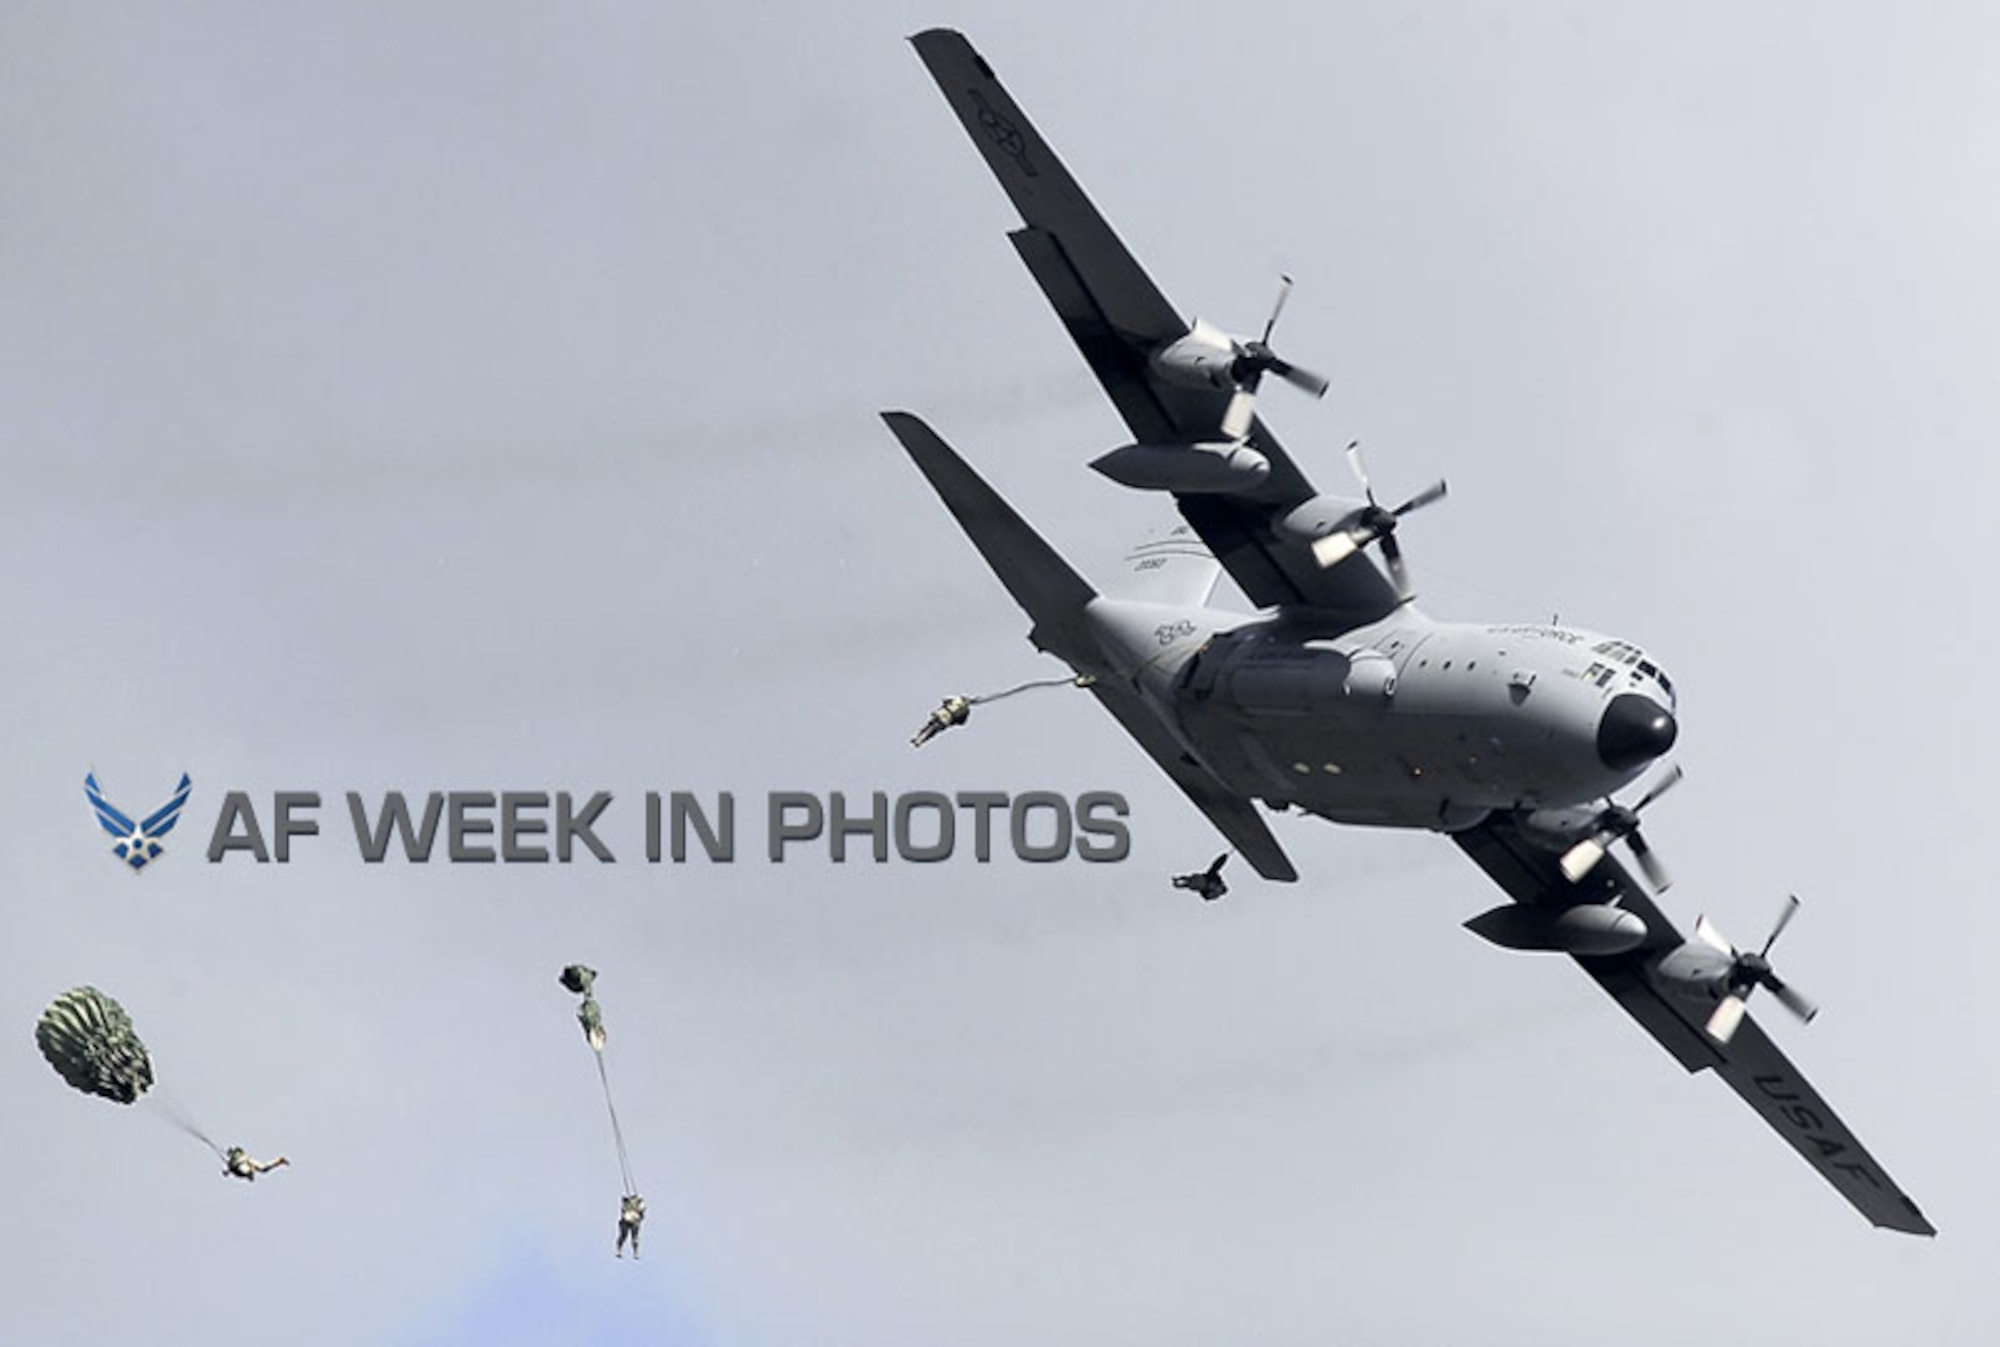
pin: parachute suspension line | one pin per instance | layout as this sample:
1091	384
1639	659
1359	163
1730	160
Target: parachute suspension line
175	1115
583	981
956	711
617	1133
1080	681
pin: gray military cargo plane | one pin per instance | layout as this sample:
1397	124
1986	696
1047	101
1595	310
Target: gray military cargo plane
1340	698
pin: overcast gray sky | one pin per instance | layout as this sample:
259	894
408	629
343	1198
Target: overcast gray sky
482	396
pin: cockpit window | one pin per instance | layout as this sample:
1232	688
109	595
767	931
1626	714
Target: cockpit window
1629	655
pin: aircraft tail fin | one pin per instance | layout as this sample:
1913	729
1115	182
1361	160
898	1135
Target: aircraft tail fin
1169	565
1045	585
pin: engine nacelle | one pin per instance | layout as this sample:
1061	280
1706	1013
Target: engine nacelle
1696	963
1317	518
1204	358
1559	829
1587	928
1219	468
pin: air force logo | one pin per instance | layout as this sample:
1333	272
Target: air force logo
138	843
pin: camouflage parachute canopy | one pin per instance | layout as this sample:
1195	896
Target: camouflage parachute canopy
578	979
592	1020
89	1040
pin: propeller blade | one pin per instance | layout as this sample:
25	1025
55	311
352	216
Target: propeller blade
1392	552
1582	858
1793	1000
1284	292
1673	779
1728	1014
1430	495
1301	378
1360	471
1334	548
1649	863
1784	920
1705	931
1241	411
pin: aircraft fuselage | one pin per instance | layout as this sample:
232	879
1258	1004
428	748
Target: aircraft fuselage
1406	722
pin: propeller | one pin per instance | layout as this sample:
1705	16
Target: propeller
1255	359
1621	822
1748	972
1375	524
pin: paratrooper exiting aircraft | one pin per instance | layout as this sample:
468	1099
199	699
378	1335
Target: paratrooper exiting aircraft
1340	698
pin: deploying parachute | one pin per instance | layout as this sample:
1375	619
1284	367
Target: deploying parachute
89	1040
632	1209
592	1020
582	980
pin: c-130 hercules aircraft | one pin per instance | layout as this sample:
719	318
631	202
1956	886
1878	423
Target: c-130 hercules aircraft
1340	698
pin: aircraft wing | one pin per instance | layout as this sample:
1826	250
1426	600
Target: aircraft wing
1118	319
1676	1014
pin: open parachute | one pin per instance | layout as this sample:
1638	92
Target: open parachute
89	1040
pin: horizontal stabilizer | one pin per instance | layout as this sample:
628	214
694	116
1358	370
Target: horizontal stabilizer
1045	586
1234	816
1056	598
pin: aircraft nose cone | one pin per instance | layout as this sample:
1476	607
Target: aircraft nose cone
1634	731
